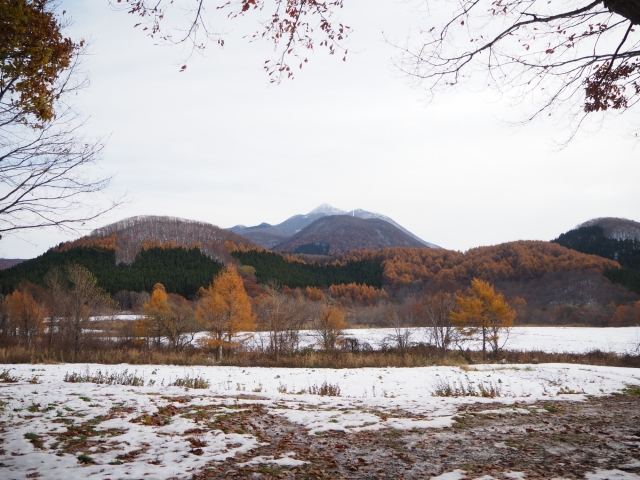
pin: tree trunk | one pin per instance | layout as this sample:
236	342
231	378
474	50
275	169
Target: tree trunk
484	343
629	9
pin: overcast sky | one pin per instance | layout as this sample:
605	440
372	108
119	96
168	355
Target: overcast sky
217	143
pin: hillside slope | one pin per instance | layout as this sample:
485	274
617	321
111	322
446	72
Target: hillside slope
339	234
614	238
134	233
448	269
180	270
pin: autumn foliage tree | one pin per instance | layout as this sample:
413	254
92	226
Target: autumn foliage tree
330	327
483	315
26	316
168	316
43	156
224	311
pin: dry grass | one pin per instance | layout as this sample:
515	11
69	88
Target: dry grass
419	356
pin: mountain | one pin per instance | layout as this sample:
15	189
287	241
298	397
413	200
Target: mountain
615	228
9	262
336	234
613	238
135	253
270	236
134	233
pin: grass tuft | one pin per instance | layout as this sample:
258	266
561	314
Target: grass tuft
113	378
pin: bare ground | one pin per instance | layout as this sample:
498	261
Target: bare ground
556	439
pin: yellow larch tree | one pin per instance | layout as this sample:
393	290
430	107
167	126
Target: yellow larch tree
168	316
483	315
157	312
225	312
26	314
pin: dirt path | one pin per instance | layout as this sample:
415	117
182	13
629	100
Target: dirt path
556	439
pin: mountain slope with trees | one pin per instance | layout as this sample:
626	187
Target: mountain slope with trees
338	234
181	270
614	238
135	233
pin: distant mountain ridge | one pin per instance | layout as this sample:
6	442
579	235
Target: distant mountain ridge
270	236
337	234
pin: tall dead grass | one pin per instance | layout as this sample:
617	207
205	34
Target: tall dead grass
419	356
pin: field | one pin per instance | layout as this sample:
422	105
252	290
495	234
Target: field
548	339
493	421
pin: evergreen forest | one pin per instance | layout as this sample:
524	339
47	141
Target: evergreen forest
592	240
271	266
180	270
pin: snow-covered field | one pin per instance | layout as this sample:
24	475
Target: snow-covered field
547	339
153	430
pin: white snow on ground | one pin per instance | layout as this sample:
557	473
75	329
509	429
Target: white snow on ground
120	316
548	339
371	398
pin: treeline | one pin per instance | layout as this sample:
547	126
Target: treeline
180	270
293	274
593	240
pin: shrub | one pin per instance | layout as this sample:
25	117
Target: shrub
191	382
326	389
466	388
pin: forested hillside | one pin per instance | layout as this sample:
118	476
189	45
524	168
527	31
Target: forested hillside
611	240
272	266
129	236
180	270
450	269
338	234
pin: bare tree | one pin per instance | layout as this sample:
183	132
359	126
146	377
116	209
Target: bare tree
290	28
45	161
433	312
282	317
578	56
55	281
83	298
401	331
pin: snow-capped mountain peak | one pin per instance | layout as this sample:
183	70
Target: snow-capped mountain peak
327	210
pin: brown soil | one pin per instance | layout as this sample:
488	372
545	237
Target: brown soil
559	439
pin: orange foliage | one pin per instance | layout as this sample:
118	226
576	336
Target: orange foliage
357	293
107	243
314	294
626	315
293	258
225	312
507	261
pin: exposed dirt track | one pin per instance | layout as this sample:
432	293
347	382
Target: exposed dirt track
544	441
